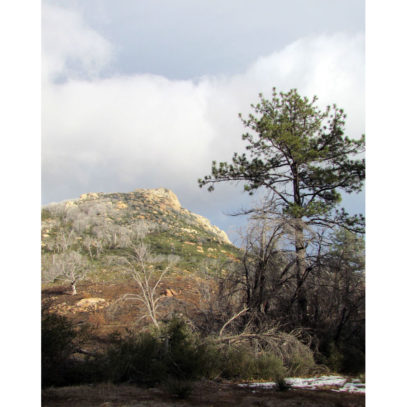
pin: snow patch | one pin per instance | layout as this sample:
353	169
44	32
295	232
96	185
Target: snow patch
340	383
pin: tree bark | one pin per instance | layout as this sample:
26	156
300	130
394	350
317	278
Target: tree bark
300	274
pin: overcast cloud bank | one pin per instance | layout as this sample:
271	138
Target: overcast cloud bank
118	133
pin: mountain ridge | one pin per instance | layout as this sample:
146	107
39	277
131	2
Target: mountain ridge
162	197
101	229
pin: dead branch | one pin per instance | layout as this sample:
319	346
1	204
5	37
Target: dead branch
231	319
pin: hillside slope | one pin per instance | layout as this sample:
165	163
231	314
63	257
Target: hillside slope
102	225
95	234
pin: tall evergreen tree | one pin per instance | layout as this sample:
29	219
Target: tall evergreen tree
301	155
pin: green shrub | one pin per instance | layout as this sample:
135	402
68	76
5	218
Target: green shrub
57	335
173	352
236	363
138	359
345	358
269	367
187	356
211	362
335	358
59	341
301	364
45	214
172	356
241	363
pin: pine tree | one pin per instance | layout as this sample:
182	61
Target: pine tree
301	155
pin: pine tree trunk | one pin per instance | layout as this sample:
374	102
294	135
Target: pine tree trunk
300	274
301	298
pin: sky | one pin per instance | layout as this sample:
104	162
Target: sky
145	94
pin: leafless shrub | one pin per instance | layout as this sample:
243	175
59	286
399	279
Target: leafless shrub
57	210
116	261
142	228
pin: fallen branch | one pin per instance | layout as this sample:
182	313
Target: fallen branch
85	352
231	319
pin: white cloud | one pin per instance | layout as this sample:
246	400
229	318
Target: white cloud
124	132
70	47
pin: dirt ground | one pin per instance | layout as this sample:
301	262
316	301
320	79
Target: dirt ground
203	394
179	294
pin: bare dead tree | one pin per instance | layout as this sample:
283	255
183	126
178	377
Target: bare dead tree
269	262
140	265
64	240
337	289
69	266
88	243
142	270
331	289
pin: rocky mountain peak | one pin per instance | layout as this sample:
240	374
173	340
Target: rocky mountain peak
157	204
163	195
